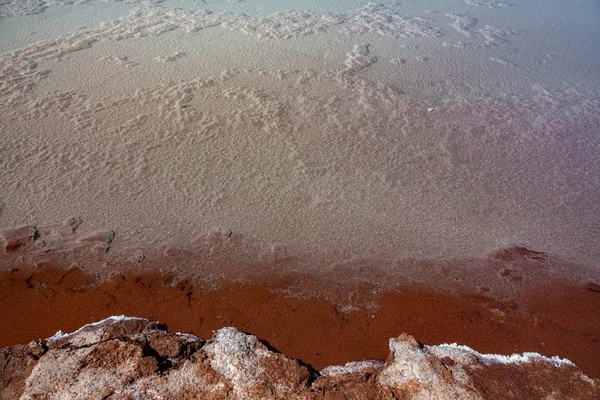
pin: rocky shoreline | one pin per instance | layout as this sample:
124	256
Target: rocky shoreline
129	358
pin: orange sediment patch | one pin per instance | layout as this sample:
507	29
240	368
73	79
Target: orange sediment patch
559	320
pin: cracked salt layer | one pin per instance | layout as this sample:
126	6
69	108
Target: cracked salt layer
237	364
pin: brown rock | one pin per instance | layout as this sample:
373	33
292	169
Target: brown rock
124	358
16	365
594	287
147	366
515	253
447	361
126	363
36	349
125	328
165	345
284	370
14	239
111	355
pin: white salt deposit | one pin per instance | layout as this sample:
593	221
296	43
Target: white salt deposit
305	125
173	57
457	351
350	368
115	318
463	23
486	3
237	357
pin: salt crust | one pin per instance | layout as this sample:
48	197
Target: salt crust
351	367
236	356
228	342
455	350
246	369
60	335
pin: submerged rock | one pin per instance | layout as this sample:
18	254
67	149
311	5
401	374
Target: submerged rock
14	239
130	358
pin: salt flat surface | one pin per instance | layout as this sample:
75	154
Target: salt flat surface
427	129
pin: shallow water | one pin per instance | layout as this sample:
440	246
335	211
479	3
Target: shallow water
335	131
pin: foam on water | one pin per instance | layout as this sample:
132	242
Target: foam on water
371	130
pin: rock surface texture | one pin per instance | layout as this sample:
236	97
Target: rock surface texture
133	358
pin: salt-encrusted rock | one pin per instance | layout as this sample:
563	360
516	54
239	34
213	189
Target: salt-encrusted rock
594	287
251	369
16	364
130	358
418	374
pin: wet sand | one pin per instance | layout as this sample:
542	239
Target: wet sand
556	319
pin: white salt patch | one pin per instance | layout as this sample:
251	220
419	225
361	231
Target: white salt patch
188	336
60	335
351	367
411	365
463	23
458	45
384	20
358	59
587	379
487	3
527	357
173	57
502	61
236	356
120	60
495	35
